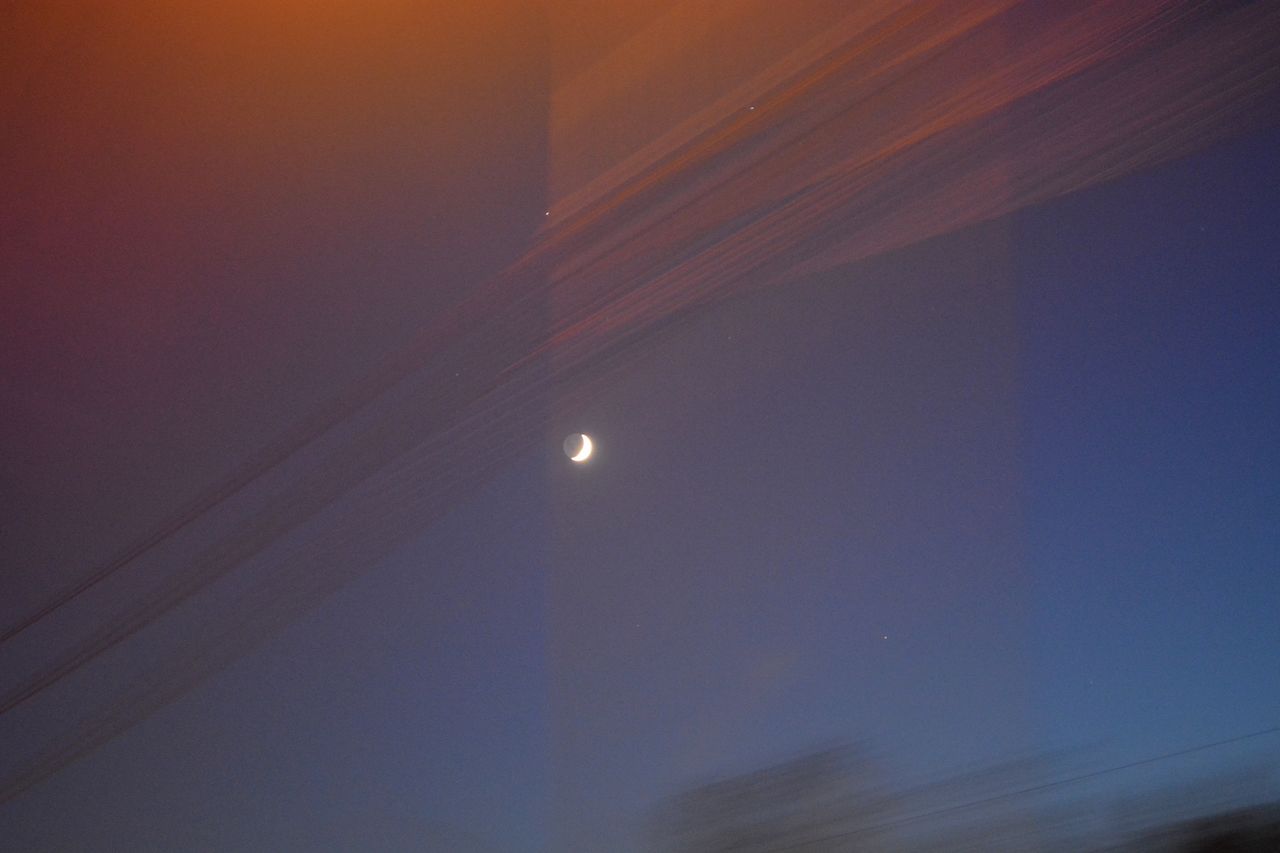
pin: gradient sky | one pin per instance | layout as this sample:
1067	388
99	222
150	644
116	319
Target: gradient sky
1037	455
1009	490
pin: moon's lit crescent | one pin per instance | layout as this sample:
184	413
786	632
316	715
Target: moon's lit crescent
585	453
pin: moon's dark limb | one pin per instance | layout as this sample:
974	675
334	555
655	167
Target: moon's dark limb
578	447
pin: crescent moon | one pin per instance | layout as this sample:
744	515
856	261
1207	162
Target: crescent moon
585	453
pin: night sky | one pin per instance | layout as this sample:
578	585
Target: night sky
1008	490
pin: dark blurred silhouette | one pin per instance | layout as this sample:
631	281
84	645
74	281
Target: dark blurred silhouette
836	800
825	801
1255	830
